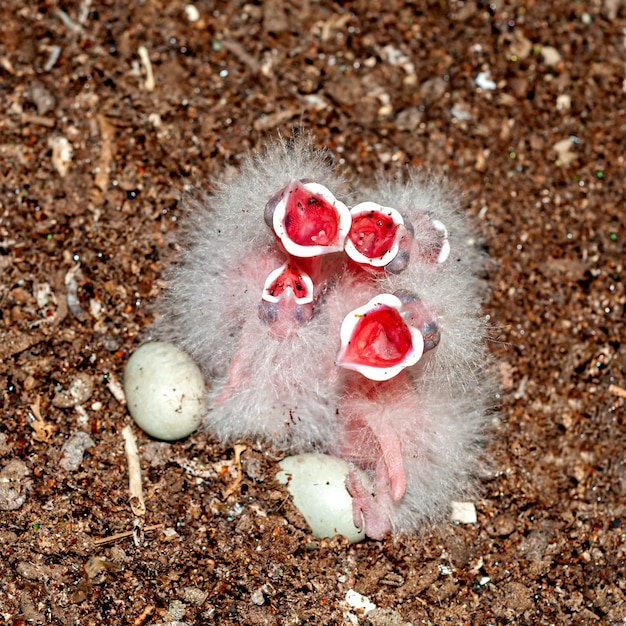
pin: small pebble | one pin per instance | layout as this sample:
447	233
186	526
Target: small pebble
164	390
317	485
565	150
79	391
192	13
409	119
5	446
31	571
12	488
461	111
483	80
258	597
73	450
253	469
463	513
563	102
194	595
551	56
176	610
42	98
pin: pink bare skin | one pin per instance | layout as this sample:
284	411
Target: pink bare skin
375	415
370	437
369	510
370	441
283	318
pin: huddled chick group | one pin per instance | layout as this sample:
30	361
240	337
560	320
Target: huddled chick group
342	324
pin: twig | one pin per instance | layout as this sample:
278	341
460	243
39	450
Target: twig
238	50
48	122
68	22
55	53
137	503
618	391
107	133
115	388
83	13
239	449
122	535
142	51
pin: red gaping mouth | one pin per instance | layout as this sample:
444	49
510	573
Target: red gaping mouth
375	234
309	221
377	342
288	278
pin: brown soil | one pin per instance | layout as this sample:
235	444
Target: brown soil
84	242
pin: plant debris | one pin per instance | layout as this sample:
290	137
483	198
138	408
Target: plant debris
383	85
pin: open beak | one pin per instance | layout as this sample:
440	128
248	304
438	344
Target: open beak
308	220
288	279
376	235
377	342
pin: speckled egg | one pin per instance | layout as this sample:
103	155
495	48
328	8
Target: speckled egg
317	485
165	391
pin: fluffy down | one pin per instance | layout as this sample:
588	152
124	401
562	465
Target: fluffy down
273	370
264	384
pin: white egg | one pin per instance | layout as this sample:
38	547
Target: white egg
317	485
165	391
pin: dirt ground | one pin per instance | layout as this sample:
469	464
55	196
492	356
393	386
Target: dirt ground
109	108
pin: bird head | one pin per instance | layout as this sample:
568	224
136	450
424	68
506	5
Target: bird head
307	219
377	341
379	238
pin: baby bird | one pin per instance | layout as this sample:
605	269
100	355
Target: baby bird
249	311
418	434
351	331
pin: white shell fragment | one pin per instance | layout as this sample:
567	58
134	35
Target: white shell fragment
483	80
192	13
463	513
62	154
317	485
164	390
358	601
